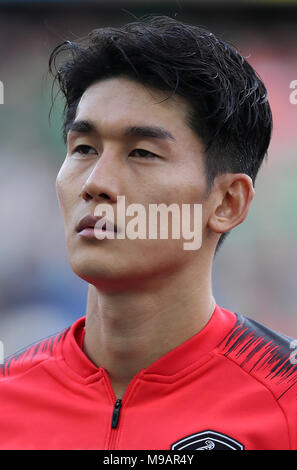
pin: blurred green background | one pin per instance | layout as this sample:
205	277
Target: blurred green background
255	270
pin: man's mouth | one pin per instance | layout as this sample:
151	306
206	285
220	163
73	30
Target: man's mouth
90	221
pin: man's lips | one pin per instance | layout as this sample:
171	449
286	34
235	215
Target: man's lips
89	221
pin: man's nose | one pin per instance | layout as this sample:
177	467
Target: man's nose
103	181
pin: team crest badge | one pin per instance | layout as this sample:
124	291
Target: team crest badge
207	440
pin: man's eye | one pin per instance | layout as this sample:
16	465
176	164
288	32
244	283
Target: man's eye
84	149
142	153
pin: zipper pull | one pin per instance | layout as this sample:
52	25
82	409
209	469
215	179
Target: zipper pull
116	413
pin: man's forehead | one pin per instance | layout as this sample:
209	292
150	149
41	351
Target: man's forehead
124	107
131	94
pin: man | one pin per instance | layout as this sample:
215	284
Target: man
157	112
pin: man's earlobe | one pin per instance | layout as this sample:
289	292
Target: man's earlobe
219	220
235	195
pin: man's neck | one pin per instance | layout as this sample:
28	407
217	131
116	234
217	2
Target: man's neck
128	331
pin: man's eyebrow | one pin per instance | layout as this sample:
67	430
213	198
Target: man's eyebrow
83	127
155	132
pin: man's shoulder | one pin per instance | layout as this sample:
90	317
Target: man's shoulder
33	355
265	354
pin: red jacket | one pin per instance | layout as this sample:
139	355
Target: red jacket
231	386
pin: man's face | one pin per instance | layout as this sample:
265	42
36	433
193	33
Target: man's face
121	156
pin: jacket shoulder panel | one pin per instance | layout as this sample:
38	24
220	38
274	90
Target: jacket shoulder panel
32	355
262	352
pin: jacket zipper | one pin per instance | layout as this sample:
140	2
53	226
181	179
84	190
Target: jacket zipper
116	413
118	403
114	423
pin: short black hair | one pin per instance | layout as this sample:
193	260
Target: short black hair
229	109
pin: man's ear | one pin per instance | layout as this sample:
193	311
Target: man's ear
232	197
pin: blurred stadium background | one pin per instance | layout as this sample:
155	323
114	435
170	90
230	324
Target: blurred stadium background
255	271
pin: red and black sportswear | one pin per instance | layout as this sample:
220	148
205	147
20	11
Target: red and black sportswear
231	386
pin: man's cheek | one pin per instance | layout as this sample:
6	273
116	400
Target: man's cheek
66	188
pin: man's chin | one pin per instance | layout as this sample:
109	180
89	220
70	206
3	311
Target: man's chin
100	275
114	280
91	273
